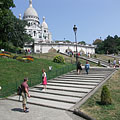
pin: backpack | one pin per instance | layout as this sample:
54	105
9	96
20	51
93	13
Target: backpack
86	66
19	90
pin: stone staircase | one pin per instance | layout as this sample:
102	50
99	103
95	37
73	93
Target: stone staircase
68	91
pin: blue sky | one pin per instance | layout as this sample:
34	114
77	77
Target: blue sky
93	18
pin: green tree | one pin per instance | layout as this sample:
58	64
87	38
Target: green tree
82	42
5	20
97	42
12	30
68	41
110	44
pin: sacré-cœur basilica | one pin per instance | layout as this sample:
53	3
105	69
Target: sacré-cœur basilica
43	38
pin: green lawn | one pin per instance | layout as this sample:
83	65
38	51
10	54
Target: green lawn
12	72
105	112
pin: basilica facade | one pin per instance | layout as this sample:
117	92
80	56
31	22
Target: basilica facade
39	32
43	38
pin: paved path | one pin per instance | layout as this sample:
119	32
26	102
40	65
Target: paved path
11	110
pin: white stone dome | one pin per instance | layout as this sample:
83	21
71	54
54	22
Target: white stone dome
44	24
30	13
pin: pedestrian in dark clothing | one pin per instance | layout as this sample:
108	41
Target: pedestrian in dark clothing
25	94
87	66
79	67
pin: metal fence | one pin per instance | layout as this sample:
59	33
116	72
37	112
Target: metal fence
11	87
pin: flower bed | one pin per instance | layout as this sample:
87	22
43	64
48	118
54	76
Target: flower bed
5	55
27	57
19	58
5	52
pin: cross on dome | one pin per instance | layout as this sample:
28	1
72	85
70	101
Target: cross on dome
30	1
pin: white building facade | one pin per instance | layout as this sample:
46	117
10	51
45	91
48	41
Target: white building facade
39	32
43	38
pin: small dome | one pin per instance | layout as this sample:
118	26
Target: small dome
44	24
30	11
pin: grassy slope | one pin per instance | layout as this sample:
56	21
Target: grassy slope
104	57
12	72
10	67
101	112
50	56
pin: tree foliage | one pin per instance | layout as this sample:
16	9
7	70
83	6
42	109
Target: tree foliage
12	30
82	42
97	42
110	44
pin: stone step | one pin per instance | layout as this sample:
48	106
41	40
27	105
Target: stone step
72	82
77	81
60	92
78	76
74	78
70	85
83	90
83	75
59	98
45	103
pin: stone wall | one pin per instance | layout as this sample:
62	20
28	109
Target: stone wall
62	47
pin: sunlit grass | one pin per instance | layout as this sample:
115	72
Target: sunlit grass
105	112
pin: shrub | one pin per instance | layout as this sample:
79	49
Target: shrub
14	57
95	56
58	59
11	56
20	59
105	96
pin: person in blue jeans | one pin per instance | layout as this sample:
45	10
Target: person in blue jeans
87	66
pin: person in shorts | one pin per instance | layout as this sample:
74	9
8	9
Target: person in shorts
25	94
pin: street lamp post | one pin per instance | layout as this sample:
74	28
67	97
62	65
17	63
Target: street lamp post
75	31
